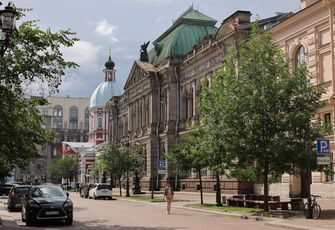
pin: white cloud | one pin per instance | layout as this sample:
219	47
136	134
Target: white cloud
84	54
130	56
105	29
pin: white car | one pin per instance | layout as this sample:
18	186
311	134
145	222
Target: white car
100	190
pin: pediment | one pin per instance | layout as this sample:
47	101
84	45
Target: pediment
224	30
139	71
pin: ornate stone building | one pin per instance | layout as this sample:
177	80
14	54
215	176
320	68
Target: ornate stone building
160	99
309	35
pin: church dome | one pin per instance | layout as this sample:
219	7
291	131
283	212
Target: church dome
109	64
104	92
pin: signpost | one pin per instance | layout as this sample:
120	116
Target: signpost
323	146
161	164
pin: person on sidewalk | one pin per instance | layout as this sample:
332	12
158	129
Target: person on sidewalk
168	195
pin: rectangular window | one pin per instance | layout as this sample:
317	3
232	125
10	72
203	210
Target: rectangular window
57	125
328	118
86	114
73	126
44	112
55	113
99	122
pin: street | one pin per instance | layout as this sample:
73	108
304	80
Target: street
130	214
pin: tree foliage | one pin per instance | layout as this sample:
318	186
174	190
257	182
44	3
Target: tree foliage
33	56
188	154
117	161
64	167
261	109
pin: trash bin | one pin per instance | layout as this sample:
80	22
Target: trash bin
297	204
224	200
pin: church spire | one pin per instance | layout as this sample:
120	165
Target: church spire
110	64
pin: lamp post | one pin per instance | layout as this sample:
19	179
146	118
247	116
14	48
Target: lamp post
126	139
7	24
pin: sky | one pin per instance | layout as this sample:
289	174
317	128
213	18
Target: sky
123	26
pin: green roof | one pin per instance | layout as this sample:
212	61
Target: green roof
187	31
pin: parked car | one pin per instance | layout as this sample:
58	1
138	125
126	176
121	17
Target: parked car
5	189
15	195
46	202
84	190
100	190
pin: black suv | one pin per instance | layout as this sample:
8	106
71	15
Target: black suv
46	202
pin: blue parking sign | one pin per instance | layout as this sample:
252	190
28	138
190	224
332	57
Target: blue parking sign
323	146
161	164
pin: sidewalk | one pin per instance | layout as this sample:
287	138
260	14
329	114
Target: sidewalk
326	221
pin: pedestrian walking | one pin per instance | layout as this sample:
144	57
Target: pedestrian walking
168	195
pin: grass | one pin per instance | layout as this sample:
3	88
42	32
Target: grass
250	211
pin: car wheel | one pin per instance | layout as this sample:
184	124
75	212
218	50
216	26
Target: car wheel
69	220
11	209
110	198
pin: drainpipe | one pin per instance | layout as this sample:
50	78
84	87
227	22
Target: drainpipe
178	101
158	123
178	115
117	123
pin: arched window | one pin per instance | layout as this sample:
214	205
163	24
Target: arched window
57	117
300	57
58	111
74	112
73	118
87	113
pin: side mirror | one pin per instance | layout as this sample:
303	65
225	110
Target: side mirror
67	194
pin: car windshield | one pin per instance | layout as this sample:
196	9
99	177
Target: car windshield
21	190
103	186
47	192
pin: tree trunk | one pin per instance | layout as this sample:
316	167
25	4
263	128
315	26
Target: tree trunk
200	180
218	190
266	186
120	186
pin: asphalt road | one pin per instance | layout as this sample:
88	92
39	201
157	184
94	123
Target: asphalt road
130	215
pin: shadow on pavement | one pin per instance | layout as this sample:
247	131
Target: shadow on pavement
327	214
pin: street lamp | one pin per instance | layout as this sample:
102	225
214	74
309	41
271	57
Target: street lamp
7	24
126	140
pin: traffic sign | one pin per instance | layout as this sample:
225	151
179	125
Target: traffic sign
323	146
323	160
161	164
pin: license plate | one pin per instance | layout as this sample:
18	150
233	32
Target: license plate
51	212
104	191
17	205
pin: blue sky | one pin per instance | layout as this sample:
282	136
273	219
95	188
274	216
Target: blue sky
125	25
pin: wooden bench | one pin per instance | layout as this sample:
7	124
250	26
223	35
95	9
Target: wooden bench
273	205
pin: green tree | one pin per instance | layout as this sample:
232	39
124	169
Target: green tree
64	167
262	110
116	162
33	56
188	154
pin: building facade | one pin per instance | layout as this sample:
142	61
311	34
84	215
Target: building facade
309	36
161	93
69	117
